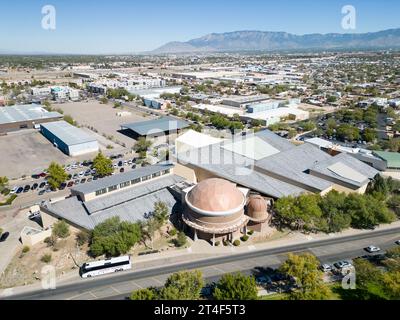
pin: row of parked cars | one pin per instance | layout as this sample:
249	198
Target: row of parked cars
341	265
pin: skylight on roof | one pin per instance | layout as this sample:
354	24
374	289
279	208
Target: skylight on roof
253	148
346	172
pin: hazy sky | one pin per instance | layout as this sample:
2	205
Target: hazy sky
123	26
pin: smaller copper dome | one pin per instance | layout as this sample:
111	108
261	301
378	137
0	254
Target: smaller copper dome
257	208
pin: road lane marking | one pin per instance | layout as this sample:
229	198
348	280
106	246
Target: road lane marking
116	290
156	280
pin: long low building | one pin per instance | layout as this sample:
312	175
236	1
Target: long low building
29	116
69	139
130	196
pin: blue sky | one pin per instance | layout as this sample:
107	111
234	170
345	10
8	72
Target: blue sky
123	26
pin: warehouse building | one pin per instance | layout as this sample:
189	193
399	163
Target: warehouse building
242	102
29	116
69	139
154	128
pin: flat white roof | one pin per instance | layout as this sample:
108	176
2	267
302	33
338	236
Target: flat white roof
279	112
219	108
197	139
253	148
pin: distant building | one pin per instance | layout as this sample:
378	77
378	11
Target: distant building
156	127
243	101
25	117
69	139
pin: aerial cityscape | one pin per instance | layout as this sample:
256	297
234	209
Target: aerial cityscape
253	155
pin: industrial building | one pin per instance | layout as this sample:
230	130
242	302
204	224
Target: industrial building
242	102
69	139
154	128
30	116
157	104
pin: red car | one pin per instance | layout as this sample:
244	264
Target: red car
42	175
70	184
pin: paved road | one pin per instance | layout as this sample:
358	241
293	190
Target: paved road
118	286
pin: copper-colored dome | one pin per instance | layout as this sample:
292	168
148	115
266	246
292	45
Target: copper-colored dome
257	208
215	195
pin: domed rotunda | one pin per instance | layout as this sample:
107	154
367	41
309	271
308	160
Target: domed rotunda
215	210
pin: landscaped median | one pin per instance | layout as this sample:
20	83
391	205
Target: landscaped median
9	200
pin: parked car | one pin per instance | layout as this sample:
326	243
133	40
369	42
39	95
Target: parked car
120	164
42	192
42	185
326	267
83	180
262	280
4	236
63	186
27	188
89	180
19	190
342	264
77	181
43	175
372	249
134	166
34	186
13	190
122	170
70	184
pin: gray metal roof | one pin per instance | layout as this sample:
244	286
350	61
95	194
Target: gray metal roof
294	163
136	209
360	167
162	124
68	133
121	178
28	112
122	196
239	169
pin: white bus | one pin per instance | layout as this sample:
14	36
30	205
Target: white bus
98	268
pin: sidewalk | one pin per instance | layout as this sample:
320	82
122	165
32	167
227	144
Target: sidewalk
200	251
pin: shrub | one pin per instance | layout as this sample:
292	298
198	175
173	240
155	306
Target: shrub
46	258
217	244
245	238
82	238
226	243
61	229
236	243
173	232
180	241
250	233
25	249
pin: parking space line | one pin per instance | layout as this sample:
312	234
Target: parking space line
135	284
116	290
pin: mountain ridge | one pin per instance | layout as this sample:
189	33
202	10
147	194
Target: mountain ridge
255	40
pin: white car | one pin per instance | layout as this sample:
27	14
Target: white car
81	174
372	249
326	267
13	190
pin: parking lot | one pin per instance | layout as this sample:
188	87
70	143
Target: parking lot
103	118
25	152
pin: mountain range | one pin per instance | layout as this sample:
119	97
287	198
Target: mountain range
279	41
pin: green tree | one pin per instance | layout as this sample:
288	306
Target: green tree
57	175
113	237
142	145
60	230
184	285
236	287
333	211
145	294
161	212
304	270
102	165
